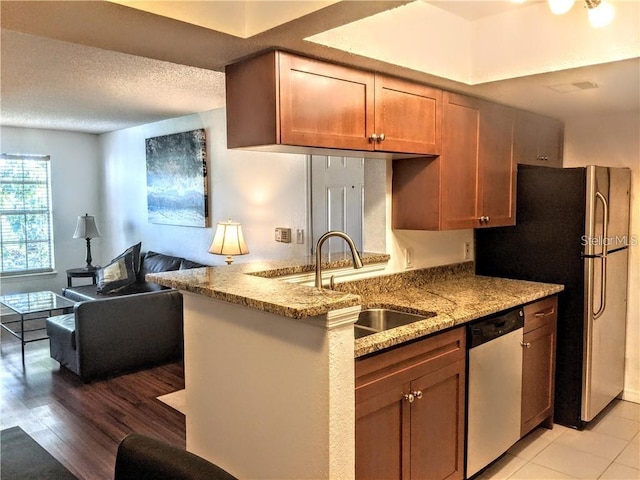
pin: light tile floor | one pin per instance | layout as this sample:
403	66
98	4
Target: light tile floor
609	448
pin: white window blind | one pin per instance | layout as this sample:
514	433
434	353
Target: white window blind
26	236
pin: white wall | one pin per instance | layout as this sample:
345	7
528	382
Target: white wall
260	190
76	187
614	140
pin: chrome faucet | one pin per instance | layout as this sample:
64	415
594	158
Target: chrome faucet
357	261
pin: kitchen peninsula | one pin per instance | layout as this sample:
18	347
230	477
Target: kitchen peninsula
269	365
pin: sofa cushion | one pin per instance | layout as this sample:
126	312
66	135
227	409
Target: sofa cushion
119	274
187	264
157	262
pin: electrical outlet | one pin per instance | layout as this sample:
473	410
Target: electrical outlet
467	250
283	235
408	258
300	236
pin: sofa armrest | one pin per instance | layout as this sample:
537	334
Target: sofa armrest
121	333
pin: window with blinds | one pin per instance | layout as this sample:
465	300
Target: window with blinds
26	235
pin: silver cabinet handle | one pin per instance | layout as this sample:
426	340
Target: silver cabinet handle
413	396
373	137
526	344
381	138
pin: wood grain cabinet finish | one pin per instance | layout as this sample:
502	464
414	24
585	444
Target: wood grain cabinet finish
538	140
472	184
538	376
283	99
410	409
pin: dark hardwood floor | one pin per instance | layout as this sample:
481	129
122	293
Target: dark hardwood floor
82	424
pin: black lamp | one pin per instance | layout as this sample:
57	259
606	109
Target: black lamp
86	228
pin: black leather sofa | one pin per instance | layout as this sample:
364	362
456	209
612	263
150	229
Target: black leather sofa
131	328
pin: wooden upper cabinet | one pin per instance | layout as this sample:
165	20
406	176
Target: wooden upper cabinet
498	169
407	116
472	184
460	162
283	99
538	140
325	105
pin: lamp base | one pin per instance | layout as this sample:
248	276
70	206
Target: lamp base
91	268
229	260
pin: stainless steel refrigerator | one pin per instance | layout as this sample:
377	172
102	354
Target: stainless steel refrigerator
572	228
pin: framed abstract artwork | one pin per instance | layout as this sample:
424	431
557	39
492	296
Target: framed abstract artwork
177	187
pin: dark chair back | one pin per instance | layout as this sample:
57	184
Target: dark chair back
144	458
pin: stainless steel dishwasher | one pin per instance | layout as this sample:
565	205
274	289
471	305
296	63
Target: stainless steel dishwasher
495	387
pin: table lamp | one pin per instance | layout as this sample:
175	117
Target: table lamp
228	240
86	228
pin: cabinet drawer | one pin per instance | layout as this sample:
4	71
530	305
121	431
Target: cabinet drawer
402	364
540	313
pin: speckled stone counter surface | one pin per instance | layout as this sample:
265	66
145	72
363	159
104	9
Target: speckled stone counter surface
253	284
452	292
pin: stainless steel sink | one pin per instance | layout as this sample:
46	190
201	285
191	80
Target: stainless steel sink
374	320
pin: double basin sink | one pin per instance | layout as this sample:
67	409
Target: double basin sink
374	320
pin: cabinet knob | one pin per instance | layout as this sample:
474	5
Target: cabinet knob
483	219
409	397
381	138
417	394
373	137
526	344
487	219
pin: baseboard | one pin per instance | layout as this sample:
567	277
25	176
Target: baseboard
631	395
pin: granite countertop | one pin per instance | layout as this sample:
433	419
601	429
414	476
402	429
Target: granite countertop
253	284
453	293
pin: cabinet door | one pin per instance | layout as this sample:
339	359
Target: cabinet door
550	141
497	177
538	364
459	162
437	424
538	140
382	433
408	115
325	105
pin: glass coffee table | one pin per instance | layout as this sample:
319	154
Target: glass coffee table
28	308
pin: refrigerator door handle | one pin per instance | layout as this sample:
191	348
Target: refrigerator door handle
603	265
605	223
603	288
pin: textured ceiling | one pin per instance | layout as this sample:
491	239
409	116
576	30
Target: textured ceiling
98	67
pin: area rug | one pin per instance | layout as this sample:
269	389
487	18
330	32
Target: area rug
23	459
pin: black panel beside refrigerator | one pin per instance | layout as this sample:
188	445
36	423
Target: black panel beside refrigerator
547	245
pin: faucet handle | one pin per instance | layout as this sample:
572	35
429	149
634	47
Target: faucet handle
332	282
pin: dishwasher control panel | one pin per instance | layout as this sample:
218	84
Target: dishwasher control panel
493	327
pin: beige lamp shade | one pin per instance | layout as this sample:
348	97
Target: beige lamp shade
228	240
86	227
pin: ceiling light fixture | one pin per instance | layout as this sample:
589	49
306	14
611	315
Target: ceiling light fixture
560	7
600	12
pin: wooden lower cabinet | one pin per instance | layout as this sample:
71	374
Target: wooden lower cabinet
538	365
410	410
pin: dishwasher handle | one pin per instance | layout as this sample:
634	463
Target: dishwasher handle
490	328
